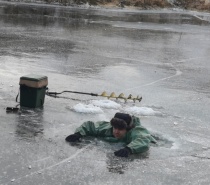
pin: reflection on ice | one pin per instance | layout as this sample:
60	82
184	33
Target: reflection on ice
29	123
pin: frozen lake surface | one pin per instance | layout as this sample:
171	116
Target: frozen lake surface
161	55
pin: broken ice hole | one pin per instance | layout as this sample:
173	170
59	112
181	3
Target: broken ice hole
162	141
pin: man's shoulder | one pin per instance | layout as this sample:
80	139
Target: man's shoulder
104	128
103	124
136	121
139	130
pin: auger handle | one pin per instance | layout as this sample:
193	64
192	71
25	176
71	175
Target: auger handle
76	92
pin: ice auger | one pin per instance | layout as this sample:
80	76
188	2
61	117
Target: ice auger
104	94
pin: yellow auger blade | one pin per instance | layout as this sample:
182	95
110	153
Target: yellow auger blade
130	97
104	94
121	96
112	95
137	98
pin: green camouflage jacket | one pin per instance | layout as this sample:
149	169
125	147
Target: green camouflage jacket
137	139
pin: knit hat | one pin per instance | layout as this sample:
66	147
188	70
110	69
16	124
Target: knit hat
122	121
118	123
125	117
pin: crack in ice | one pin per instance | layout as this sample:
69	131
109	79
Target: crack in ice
49	167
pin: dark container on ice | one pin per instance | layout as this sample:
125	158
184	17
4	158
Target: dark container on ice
32	90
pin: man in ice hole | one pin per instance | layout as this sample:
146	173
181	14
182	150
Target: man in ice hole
122	128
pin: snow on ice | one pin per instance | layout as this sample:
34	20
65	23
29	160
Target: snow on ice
96	106
82	108
106	104
142	111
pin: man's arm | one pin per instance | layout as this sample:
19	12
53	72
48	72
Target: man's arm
89	128
139	140
139	145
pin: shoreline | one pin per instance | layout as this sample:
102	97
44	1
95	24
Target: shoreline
106	6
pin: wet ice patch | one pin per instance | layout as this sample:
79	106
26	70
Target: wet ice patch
175	123
109	104
142	111
175	146
82	108
162	141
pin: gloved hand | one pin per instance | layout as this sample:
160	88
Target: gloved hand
123	152
73	137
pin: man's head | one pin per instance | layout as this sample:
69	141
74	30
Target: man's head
121	124
119	127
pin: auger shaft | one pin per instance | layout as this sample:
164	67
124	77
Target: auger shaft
76	92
